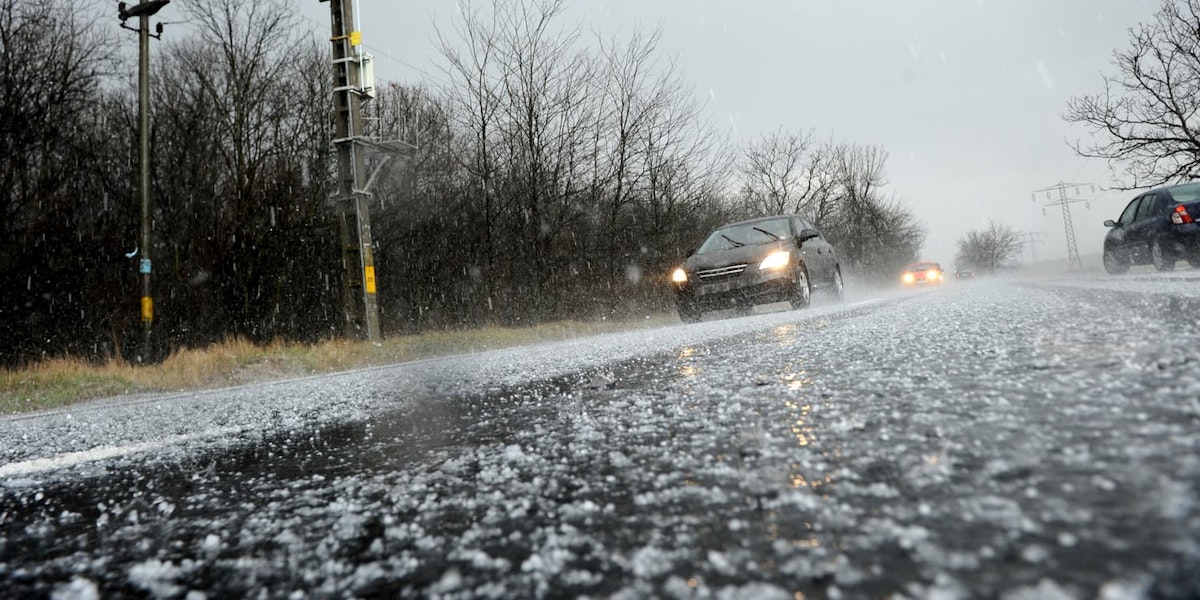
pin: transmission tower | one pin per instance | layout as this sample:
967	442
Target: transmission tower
1065	202
1032	239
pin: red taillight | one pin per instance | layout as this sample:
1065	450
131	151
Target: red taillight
1181	216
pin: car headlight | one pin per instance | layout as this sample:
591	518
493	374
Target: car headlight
908	278
679	276
775	260
931	274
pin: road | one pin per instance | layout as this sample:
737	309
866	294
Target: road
1009	439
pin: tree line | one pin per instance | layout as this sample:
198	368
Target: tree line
558	174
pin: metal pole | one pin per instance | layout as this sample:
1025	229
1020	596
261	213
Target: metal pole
143	11
144	180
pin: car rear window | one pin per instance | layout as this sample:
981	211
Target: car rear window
1186	193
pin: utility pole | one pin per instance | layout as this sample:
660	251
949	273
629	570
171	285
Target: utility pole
1032	238
1063	201
351	199
143	11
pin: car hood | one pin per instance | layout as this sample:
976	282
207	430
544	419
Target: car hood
734	256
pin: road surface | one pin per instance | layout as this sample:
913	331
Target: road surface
1008	439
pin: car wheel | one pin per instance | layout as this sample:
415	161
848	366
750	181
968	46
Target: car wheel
689	314
838	292
802	295
1113	264
1162	258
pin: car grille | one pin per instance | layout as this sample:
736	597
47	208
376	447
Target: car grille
722	273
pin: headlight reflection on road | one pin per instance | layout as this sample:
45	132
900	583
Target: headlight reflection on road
687	370
785	335
799	415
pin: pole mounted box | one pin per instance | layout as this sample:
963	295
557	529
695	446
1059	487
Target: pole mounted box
366	81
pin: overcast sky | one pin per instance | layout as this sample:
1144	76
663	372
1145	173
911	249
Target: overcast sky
965	95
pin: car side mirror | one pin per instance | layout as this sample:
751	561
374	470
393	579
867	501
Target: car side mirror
807	234
1110	223
690	252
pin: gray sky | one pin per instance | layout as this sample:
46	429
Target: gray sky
965	95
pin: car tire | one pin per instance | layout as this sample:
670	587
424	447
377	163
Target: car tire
1162	258
837	292
689	314
1114	264
802	294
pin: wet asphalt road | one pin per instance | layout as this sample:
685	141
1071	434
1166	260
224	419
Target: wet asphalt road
992	439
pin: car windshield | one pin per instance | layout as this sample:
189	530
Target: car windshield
745	234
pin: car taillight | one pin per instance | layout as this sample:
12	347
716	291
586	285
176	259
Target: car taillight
1181	216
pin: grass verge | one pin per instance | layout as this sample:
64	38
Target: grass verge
64	381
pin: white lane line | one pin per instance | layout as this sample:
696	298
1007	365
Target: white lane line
69	459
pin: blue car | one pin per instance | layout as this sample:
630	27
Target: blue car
1159	227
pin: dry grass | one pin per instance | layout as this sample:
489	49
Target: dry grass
64	381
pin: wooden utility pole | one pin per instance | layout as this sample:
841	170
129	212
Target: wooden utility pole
143	11
351	199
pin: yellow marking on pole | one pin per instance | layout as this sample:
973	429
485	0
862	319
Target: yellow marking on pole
147	309
355	38
369	277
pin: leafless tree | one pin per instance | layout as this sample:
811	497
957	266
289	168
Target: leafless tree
1145	120
242	159
61	176
788	171
876	235
472	94
989	249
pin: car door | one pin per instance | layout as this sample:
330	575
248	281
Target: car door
817	253
1139	233
1156	223
1119	236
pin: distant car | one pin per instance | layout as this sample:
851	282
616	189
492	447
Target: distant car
1158	227
758	261
964	273
922	273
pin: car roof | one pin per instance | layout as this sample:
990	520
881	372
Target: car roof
923	264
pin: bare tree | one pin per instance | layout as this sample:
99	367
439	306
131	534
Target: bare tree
1146	118
61	179
242	163
475	75
787	171
874	234
989	249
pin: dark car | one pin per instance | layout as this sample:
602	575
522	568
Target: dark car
770	259
1158	227
964	273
